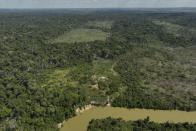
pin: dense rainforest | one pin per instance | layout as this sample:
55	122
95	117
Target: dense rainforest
54	61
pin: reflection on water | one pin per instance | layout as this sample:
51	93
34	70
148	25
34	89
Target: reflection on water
80	122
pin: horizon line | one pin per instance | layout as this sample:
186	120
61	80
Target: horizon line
99	8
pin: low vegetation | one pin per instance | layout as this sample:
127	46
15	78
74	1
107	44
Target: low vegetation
82	35
103	25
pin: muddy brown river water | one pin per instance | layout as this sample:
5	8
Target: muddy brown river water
80	122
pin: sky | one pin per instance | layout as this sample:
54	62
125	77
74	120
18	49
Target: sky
96	3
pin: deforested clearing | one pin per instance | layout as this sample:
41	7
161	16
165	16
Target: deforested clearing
82	35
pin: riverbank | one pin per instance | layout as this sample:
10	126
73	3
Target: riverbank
80	122
78	111
83	109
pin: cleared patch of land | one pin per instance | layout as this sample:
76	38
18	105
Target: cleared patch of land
100	24
58	78
82	35
95	79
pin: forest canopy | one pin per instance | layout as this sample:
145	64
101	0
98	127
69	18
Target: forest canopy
43	80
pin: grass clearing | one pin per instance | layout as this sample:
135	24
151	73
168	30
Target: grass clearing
103	67
82	35
100	24
58	78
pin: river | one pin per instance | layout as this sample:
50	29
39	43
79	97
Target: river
80	122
